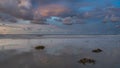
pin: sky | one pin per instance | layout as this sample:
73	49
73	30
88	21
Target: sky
33	9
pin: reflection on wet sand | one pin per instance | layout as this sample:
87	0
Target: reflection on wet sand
60	53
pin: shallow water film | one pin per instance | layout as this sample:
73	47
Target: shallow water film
53	52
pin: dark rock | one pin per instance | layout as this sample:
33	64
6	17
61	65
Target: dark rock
97	50
40	47
87	60
91	61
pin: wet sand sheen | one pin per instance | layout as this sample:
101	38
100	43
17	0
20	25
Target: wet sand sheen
60	52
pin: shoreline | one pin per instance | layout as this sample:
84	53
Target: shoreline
40	36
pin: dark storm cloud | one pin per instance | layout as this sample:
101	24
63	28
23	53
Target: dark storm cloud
18	8
30	9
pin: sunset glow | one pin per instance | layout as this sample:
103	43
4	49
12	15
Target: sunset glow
50	10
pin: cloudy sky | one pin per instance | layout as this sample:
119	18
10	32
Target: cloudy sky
30	9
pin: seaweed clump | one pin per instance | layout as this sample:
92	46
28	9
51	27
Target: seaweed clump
87	60
40	47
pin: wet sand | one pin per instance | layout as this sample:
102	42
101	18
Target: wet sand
60	52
